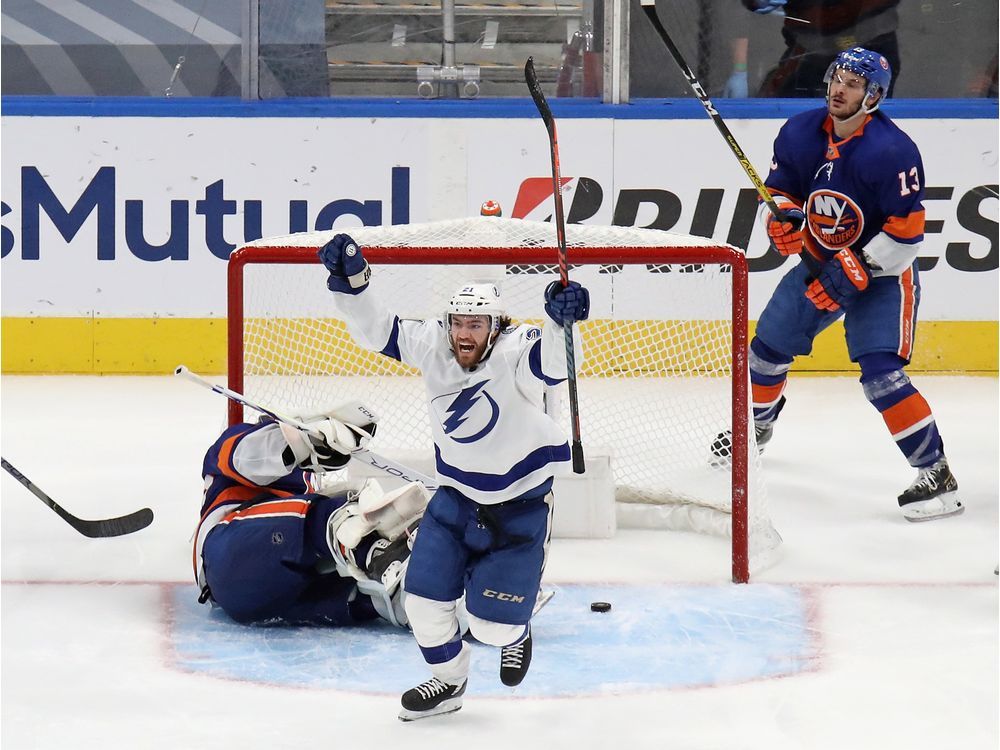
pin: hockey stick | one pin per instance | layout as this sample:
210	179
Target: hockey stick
358	454
94	529
649	8
550	125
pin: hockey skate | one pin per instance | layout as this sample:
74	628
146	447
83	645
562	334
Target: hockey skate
515	660
431	698
386	557
933	494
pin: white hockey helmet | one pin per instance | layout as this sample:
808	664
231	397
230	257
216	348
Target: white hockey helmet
476	298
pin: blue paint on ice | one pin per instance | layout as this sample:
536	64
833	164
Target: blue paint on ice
655	637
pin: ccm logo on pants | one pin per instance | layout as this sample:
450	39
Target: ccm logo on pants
501	596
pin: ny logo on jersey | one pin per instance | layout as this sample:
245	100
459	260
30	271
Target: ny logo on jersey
469	415
835	220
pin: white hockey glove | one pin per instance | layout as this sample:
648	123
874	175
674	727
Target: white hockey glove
336	432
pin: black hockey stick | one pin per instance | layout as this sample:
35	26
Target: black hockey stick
105	527
550	125
649	8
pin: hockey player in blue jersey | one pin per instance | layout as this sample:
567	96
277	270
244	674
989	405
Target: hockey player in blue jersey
486	530
851	183
281	542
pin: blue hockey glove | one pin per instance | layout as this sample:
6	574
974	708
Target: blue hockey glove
841	279
349	271
570	303
736	87
767	6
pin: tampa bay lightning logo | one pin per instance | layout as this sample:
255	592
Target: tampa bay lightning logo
469	415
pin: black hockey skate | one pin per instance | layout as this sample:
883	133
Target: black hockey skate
383	554
431	698
515	660
933	494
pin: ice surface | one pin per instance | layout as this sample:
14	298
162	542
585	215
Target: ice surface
868	632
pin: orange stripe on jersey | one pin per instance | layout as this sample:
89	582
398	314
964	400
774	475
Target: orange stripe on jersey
906	413
232	495
767	394
907	313
907	227
271	508
225	453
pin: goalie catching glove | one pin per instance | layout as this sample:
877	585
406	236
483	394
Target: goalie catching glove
334	434
841	279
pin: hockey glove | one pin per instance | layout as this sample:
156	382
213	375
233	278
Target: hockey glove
349	271
786	233
327	447
841	279
567	303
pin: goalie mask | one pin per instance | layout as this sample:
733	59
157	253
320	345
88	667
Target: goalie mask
871	66
476	298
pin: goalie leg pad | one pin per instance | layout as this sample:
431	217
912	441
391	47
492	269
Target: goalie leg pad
392	512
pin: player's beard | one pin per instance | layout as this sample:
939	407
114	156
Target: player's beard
471	357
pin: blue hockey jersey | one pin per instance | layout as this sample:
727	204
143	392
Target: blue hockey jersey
863	192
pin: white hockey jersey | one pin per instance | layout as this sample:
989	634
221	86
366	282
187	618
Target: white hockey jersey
492	439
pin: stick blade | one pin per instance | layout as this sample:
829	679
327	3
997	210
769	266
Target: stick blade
109	527
535	89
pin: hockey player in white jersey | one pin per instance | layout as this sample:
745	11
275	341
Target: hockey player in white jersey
486	530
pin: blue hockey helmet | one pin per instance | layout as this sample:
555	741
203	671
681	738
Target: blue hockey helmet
872	66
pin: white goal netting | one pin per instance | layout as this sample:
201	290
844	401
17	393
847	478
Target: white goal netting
656	385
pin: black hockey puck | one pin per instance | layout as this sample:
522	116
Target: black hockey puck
600	607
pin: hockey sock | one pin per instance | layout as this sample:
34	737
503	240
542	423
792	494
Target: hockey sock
768	376
906	413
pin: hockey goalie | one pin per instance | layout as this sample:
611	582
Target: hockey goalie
281	541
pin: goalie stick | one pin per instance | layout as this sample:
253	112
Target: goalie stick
105	527
649	8
538	97
363	455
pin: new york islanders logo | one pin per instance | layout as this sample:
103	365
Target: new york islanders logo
469	415
835	220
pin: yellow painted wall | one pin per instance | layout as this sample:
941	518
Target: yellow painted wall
155	346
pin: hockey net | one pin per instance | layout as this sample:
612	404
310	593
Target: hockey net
664	368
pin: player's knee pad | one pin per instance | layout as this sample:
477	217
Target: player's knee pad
494	633
433	623
767	361
883	379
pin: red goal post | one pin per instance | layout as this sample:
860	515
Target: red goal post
287	350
